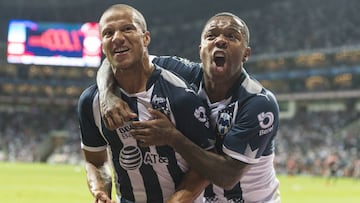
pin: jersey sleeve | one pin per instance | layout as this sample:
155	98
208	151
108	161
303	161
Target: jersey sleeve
188	70
192	118
91	138
254	129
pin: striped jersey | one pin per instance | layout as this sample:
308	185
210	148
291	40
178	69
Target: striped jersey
245	125
146	174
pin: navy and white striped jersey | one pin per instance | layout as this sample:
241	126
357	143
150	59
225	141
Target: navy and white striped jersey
148	174
245	123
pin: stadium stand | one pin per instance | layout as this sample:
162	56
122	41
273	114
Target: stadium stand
307	52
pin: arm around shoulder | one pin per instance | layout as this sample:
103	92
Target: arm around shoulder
114	110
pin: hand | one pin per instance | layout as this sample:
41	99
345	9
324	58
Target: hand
115	111
157	131
102	197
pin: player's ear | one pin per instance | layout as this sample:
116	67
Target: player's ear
246	54
102	47
200	51
146	38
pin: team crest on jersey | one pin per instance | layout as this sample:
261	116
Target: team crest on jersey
161	104
224	123
225	119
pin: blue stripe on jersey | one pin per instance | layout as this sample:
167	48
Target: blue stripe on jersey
123	178
151	182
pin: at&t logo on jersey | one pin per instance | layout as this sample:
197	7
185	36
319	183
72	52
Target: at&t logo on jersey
266	121
151	158
130	157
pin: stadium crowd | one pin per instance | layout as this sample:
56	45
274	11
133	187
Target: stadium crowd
23	129
308	143
275	26
282	26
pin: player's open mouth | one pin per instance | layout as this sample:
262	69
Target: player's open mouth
219	59
122	50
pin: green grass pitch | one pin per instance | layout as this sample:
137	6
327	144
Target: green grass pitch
44	183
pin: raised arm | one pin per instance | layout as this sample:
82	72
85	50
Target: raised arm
98	175
113	109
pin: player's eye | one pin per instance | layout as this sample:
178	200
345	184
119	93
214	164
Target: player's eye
129	28
210	36
231	36
107	33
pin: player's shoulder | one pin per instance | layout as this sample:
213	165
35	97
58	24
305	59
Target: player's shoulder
253	92
174	61
88	94
253	97
263	103
172	77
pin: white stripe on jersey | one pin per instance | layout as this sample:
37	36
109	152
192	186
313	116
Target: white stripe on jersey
161	169
250	85
248	157
174	80
134	175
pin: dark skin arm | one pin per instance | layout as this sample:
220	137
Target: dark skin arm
114	111
189	189
160	131
98	176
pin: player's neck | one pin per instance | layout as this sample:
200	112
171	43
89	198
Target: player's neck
217	91
134	80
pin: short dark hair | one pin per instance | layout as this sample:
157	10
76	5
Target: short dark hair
141	20
245	30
